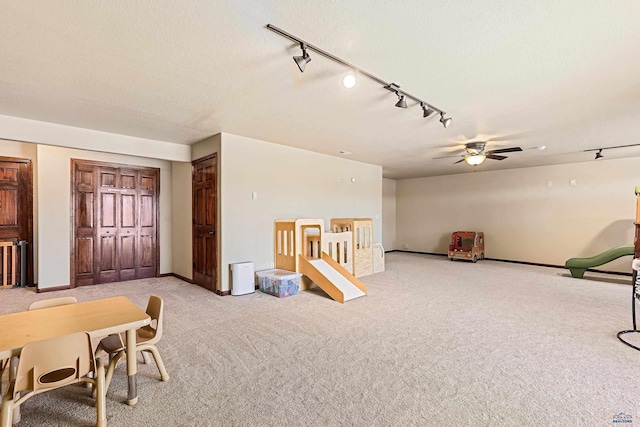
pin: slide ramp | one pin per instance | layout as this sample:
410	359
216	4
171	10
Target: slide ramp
578	266
332	278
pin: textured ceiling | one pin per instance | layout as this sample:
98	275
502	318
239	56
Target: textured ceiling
563	74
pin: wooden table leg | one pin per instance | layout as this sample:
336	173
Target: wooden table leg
132	368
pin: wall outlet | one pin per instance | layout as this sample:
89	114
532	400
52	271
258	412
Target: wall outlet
549	183
573	183
254	195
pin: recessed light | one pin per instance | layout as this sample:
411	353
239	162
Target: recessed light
344	153
542	147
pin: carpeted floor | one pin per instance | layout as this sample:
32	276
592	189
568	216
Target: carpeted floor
435	343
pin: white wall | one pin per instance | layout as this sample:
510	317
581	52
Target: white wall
524	219
19	129
182	247
290	183
182	207
54	201
389	214
17	149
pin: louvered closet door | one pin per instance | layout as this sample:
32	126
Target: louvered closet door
125	214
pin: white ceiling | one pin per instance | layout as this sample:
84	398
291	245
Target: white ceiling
564	74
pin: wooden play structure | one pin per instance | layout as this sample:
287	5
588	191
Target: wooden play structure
332	260
635	290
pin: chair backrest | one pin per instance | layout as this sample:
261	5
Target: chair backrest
155	310
52	302
55	362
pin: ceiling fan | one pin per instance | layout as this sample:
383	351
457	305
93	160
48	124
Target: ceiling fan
475	154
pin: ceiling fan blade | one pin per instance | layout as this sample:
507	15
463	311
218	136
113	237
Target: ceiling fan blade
494	157
461	160
504	150
446	157
510	137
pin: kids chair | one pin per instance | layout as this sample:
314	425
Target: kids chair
46	303
146	339
53	363
52	302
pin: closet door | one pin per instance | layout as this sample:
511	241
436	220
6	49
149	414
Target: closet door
108	225
115	216
148	247
85	244
16	218
127	219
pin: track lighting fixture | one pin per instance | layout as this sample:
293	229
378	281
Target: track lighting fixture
426	111
349	80
303	60
599	154
445	122
401	101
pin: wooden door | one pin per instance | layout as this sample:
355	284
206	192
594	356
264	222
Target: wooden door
204	222
16	216
115	223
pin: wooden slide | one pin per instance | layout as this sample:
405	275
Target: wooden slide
332	278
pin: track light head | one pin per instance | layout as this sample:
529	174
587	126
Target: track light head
445	122
402	103
599	154
426	111
301	61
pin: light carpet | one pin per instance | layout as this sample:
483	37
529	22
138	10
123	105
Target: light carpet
435	343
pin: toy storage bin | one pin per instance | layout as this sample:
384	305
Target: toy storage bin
281	283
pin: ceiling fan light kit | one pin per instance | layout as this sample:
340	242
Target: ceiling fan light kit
475	160
304	59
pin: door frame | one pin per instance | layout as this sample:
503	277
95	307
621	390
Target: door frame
72	245
216	278
29	207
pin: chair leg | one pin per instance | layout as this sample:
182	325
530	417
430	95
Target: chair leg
6	414
156	355
145	357
101	407
3	366
13	372
112	367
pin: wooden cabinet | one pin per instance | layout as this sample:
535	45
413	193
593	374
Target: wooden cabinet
115	212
